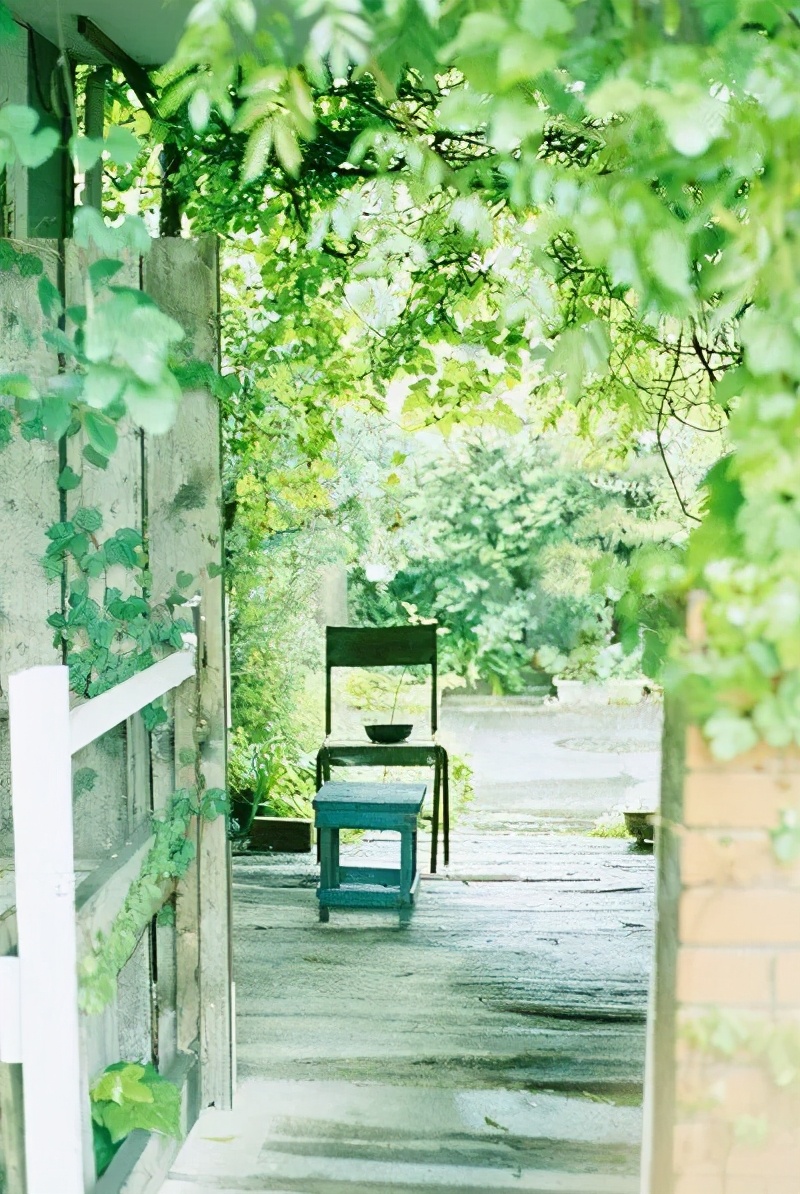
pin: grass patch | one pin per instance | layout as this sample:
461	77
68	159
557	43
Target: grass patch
609	828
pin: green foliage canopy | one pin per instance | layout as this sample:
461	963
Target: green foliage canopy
654	144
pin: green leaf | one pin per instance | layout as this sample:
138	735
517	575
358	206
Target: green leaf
786	838
154	407
199	110
214	569
214	803
20	137
102	271
89	228
101	432
154	715
729	734
86	152
17	385
122	146
50	298
83	781
104	1147
543	17
68	478
56	417
183	580
94	457
103	385
9	29
88	518
771	345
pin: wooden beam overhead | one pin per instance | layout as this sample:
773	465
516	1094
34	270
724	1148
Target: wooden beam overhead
138	78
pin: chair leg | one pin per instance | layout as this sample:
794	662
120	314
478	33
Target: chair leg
446	804
437	781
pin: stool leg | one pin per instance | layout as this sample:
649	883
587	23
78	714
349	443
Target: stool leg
327	849
406	874
335	880
406	864
437	779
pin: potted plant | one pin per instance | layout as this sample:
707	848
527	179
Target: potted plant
272	791
595	673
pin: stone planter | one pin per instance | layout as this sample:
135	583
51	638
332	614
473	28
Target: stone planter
580	692
593	692
625	692
640	825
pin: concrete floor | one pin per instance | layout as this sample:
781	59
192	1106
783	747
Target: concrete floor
496	1044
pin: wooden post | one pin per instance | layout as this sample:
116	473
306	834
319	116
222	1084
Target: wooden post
95	127
55	1093
185	532
14	90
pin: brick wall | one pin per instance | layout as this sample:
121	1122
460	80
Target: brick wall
728	986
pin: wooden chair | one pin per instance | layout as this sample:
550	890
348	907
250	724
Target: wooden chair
388	646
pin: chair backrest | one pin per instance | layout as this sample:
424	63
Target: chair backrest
380	646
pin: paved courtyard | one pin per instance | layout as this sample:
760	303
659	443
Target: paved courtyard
496	1044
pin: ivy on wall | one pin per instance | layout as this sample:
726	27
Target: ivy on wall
119	356
167	860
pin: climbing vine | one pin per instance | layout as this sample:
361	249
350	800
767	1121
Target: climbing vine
167	860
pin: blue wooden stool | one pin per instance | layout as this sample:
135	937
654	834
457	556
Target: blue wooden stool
368	806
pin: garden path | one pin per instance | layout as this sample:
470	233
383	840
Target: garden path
497	1044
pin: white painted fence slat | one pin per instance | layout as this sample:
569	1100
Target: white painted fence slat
39	724
102	713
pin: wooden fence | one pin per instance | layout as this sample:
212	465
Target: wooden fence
173	999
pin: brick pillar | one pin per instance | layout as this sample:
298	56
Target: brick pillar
723	1101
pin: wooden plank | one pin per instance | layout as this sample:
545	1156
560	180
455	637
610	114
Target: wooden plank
659	1091
29	504
29	501
185	523
55	1091
100	896
102	814
187	900
139	789
10	1017
102	713
14	90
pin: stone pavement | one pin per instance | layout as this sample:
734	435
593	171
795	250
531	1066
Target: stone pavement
496	1044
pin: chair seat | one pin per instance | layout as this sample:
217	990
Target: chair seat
396	754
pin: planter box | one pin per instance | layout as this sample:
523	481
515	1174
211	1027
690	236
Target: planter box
580	692
592	692
640	825
625	692
283	835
